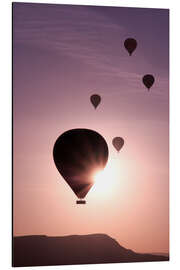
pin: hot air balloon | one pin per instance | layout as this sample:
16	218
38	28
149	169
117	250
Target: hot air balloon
95	100
78	155
118	143
148	80
130	44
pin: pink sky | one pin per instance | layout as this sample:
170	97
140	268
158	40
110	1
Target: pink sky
63	55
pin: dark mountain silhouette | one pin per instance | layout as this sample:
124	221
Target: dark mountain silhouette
160	253
41	250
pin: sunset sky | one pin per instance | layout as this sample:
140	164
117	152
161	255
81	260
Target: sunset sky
61	56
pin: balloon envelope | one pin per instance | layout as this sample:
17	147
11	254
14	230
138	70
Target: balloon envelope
148	80
130	44
95	100
118	143
78	155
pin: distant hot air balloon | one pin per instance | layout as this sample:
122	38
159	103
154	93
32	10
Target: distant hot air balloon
118	143
95	100
130	44
148	80
78	155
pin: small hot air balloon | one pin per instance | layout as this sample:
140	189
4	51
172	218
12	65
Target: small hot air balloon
118	143
148	80
78	155
130	44
95	100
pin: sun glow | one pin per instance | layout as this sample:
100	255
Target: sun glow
107	180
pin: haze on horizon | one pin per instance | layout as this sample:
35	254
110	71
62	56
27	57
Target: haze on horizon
63	54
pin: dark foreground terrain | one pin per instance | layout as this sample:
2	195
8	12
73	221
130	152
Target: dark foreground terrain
39	250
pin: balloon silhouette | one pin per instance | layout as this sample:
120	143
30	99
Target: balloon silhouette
118	143
95	100
148	80
78	155
130	44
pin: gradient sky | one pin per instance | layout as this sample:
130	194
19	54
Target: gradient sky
62	55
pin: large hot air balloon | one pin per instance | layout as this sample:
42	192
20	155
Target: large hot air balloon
78	155
95	100
118	143
148	80
130	44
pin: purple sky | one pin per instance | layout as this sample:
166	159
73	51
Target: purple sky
62	55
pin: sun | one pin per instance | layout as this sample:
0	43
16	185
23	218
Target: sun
105	181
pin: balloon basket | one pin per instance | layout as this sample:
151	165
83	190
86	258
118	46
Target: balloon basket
81	202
